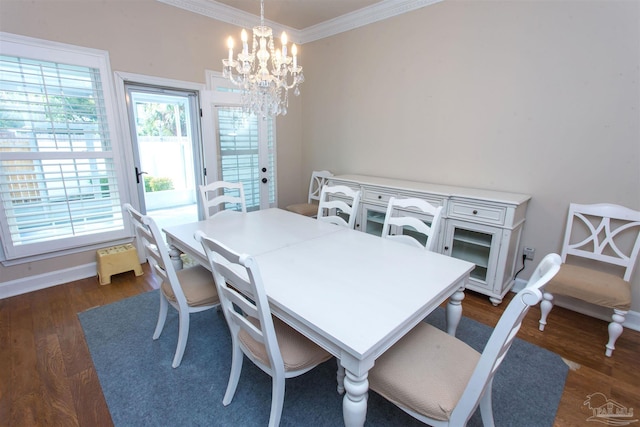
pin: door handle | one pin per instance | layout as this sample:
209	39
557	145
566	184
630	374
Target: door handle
138	173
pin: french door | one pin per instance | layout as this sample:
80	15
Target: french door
244	145
165	133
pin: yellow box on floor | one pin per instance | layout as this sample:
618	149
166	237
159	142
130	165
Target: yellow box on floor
116	260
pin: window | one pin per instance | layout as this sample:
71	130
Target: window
58	163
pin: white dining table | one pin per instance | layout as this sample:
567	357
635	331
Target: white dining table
352	293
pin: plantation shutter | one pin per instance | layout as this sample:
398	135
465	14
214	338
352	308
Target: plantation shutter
58	172
239	142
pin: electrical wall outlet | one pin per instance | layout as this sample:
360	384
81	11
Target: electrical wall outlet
529	253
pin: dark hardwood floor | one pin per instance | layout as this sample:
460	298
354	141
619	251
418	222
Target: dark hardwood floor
47	375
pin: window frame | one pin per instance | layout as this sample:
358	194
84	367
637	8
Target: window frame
61	53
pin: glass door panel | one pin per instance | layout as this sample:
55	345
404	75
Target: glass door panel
475	247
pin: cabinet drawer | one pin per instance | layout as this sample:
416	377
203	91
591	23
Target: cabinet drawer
477	213
377	196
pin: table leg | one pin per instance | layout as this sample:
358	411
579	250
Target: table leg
174	254
354	403
454	311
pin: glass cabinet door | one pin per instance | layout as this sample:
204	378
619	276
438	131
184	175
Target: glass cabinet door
476	244
371	219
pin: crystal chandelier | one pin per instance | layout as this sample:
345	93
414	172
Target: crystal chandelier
265	74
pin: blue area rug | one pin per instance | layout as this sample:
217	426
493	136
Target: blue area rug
141	388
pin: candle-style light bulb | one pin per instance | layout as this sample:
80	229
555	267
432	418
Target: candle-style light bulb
294	52
230	46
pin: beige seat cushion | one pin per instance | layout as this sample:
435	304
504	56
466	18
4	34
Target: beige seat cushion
198	287
592	286
426	372
298	352
306	209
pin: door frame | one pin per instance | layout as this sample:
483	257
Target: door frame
129	161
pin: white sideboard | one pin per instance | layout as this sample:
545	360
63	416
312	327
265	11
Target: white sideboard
480	226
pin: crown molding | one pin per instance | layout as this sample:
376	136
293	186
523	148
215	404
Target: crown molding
231	15
359	18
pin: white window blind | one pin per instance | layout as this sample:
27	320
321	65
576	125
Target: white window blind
58	172
239	139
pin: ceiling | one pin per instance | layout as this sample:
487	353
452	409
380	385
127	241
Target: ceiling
299	14
304	20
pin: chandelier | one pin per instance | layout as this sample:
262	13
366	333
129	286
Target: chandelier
265	74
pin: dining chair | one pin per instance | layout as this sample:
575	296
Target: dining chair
440	380
599	253
336	202
318	180
268	342
222	196
189	290
401	225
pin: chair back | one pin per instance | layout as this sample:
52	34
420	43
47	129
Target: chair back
605	233
502	337
395	222
243	297
218	194
150	237
318	180
336	201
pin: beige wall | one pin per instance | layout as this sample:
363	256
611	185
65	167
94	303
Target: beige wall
537	97
534	97
143	37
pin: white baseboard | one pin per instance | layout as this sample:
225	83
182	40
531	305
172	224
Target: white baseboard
47	280
632	320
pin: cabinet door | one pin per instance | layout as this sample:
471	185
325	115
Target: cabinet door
478	244
371	219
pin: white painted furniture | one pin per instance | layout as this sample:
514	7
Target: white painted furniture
403	226
332	283
188	291
606	235
218	194
480	226
318	180
441	380
337	203
272	345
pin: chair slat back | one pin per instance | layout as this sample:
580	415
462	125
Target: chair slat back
217	195
242	295
503	335
605	233
318	180
395	217
157	253
338	199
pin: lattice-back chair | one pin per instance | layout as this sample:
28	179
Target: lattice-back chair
318	180
218	195
272	345
607	236
336	202
403	227
440	380
189	290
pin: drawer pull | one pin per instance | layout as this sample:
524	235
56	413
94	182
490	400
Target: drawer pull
475	212
379	196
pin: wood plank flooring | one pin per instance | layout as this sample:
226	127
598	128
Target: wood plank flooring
47	376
